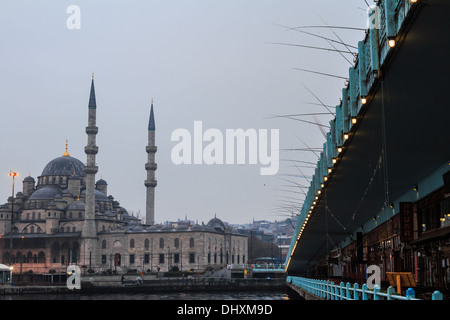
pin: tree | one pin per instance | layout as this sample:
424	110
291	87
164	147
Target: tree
258	248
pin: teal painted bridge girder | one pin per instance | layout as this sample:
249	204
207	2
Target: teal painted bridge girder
391	18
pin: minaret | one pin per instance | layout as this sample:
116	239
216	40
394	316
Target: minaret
150	166
89	232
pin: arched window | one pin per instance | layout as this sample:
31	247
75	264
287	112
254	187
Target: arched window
161	243
146	244
132	243
104	244
177	243
191	242
41	257
29	257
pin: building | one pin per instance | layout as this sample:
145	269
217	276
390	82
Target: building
66	217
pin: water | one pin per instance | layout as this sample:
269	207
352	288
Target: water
274	296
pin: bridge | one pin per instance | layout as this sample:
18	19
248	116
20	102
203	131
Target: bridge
261	270
380	193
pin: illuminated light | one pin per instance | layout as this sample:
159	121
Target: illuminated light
416	188
13	174
346	136
314	203
317	197
312	207
310	211
391	43
325	178
391	205
334	160
413	1
339	149
353	120
322	185
363	99
319	192
329	170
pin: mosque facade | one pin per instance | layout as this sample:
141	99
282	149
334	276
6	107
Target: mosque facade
65	217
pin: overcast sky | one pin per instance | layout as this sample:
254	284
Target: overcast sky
200	60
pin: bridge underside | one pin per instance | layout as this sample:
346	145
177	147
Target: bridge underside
413	94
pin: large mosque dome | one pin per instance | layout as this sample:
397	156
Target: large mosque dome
64	166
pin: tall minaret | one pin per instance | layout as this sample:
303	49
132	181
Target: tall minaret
150	166
89	232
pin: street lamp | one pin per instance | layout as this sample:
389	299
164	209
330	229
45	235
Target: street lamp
13	175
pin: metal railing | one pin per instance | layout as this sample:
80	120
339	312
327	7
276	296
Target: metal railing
257	266
328	290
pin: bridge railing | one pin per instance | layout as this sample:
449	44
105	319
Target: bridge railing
328	290
265	266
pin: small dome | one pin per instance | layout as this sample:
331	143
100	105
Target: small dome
217	224
101	182
29	179
76	205
51	205
99	196
153	228
74	177
168	228
45	193
197	227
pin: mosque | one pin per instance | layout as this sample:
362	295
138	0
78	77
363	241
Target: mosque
65	217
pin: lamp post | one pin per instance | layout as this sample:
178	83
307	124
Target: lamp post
13	175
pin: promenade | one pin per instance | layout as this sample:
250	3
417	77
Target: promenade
150	284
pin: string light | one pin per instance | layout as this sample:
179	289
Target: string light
391	42
363	99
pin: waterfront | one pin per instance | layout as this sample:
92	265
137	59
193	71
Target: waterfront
199	296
